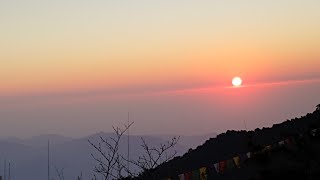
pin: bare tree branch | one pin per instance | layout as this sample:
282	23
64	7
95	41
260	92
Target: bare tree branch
109	160
111	164
60	173
154	156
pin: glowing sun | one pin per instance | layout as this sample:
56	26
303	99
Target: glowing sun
236	81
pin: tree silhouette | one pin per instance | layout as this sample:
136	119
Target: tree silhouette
60	173
112	164
153	157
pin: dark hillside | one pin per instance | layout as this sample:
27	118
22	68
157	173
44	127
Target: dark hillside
298	159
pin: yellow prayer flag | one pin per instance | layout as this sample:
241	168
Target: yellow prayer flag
268	148
237	161
203	173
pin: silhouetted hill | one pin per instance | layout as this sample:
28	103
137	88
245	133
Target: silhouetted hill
282	162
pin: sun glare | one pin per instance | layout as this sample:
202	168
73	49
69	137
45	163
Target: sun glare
236	81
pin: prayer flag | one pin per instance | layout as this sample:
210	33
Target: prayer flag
181	177
195	175
203	173
230	164
267	148
222	166
281	143
288	141
188	176
237	161
243	157
216	167
313	132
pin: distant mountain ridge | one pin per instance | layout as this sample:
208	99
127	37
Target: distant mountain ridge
28	156
40	140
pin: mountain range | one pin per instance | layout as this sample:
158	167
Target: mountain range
28	157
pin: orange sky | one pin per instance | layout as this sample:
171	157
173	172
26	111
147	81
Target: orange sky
50	47
55	51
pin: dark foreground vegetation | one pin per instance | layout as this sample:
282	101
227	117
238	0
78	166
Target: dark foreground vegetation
288	150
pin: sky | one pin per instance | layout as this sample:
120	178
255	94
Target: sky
76	67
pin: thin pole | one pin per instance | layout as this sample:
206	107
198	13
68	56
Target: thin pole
9	175
245	124
128	164
48	160
5	169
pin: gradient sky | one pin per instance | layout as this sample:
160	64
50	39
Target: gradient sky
76	67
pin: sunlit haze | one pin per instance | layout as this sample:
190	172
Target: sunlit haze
76	67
